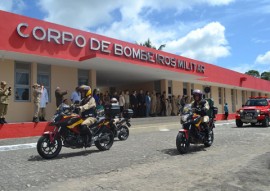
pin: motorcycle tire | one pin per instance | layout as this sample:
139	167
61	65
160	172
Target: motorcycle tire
48	150
124	133
105	140
182	144
211	139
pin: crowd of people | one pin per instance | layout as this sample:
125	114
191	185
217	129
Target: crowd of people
143	103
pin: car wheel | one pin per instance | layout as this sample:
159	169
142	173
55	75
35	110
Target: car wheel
239	123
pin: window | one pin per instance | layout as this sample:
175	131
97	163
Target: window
169	88
83	77
185	85
22	81
243	96
191	88
44	77
219	96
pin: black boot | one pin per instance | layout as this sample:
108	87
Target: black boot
35	119
4	120
206	129
87	135
1	121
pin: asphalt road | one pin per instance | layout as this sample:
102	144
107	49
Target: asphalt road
239	160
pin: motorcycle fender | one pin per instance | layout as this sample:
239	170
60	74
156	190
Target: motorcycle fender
50	134
184	131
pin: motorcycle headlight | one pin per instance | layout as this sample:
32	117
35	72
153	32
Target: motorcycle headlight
184	118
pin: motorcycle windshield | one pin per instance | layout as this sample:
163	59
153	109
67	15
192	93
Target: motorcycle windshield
186	109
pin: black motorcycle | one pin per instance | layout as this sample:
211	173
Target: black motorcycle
193	131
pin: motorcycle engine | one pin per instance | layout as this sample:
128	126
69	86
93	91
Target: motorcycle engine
73	141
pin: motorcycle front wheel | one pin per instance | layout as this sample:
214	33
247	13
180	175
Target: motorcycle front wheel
48	150
124	133
105	140
182	144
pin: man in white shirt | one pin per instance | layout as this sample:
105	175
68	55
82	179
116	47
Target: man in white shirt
76	96
44	100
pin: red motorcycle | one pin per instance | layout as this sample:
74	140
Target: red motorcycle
67	133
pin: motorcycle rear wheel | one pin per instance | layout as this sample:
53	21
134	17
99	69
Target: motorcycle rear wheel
124	133
211	139
48	150
182	144
105	140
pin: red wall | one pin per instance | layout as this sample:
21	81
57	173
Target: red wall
11	41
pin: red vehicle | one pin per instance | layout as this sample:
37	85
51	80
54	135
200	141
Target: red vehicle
256	110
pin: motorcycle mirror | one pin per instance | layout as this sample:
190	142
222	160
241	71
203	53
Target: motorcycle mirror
207	89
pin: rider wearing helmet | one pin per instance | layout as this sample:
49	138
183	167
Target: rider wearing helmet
87	108
201	107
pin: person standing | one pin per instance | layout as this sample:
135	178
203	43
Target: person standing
147	103
106	98
43	103
141	104
163	104
134	103
127	100
121	102
158	104
59	96
226	110
153	103
174	105
37	96
4	97
76	96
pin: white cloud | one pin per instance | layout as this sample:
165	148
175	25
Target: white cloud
206	44
12	5
127	20
6	5
263	58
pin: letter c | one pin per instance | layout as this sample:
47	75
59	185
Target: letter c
19	30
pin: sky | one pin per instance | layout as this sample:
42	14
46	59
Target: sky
233	34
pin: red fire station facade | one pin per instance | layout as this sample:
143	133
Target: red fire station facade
33	51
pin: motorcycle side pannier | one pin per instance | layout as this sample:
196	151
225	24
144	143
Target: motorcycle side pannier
112	110
128	113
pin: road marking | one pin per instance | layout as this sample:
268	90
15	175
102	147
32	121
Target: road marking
17	147
164	129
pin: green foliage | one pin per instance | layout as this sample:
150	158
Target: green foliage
253	73
264	75
148	44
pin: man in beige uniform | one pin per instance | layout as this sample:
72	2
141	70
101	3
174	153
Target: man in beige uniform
127	99
4	97
153	103
87	108
37	96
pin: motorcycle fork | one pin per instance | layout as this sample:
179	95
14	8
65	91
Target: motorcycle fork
52	135
185	132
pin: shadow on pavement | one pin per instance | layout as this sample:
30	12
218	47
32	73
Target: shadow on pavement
192	149
64	155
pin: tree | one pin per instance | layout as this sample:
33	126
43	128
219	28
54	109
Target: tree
254	73
265	76
148	44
